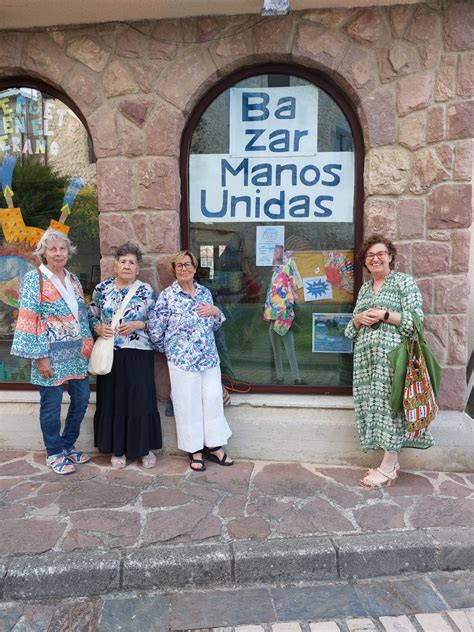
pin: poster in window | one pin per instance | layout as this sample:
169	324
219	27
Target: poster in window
328	333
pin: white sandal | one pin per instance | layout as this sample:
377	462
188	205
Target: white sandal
118	462
149	460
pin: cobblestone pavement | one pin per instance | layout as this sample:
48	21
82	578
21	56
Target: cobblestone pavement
434	602
99	508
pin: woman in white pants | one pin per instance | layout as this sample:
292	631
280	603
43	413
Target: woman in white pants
182	326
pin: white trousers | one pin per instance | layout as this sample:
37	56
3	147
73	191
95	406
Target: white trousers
198	408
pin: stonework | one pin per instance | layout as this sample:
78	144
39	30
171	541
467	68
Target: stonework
407	70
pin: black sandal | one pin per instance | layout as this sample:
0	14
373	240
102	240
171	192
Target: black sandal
208	454
199	462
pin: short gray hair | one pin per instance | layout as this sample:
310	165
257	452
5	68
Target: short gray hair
53	235
129	249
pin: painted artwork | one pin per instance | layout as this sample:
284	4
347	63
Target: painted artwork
328	333
328	276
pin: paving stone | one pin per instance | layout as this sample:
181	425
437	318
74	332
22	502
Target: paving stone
360	625
346	475
450	488
178	566
221	608
340	495
62	575
280	560
248	527
292	626
232	506
273	508
397	624
233	479
129	476
79	616
324	626
168	525
398	597
166	465
248	628
319	602
77	540
10	512
10	614
95	494
411	485
288	479
199	491
19	468
122	524
430	622
317	516
165	497
29	535
10	455
461	620
431	511
209	527
35	618
23	490
135	613
380	516
458	590
455	548
372	555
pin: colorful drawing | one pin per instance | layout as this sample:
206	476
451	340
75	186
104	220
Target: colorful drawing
339	269
328	333
317	288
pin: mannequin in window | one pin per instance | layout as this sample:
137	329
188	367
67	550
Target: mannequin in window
279	312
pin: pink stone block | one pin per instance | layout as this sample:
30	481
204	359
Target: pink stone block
414	92
445	80
114	185
106	267
461	120
163	42
42	55
139	222
357	68
104	132
463	161
9	48
424	26
135	111
380	217
274	35
381	116
131	42
400	18
459	26
401	58
158	182
145	73
369	27
114	230
165	276
84	88
435	124
449	206
131	139
427	171
411	130
225	51
148	271
332	18
430	258
403	260
458	332
163	230
452	294
465	78
437	335
117	79
445	153
196	72
324	46
163	131
411	218
426	289
460	250
452	393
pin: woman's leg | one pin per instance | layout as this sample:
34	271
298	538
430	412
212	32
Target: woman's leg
50	418
216	428
186	392
386	472
289	343
79	392
275	340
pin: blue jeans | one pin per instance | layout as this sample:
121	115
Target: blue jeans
50	415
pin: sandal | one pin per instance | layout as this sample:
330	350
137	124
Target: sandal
208	453
149	460
390	479
60	464
118	462
76	456
199	462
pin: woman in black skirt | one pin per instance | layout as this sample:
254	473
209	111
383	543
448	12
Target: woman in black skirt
126	421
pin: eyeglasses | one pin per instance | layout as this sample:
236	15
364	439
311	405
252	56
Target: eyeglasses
376	255
184	266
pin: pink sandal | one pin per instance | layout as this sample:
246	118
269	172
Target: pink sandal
390	479
149	460
118	462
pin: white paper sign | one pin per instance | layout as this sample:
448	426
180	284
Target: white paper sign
270	241
299	189
274	121
317	288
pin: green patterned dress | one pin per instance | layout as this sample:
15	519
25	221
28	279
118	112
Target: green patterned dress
378	425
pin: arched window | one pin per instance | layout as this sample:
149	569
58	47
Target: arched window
48	178
271	172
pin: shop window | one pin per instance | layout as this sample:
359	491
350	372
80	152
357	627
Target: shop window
270	210
48	178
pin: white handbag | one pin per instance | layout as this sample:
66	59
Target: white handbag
102	356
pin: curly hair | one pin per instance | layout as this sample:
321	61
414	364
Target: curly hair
371	241
129	249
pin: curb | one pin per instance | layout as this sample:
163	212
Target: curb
279	561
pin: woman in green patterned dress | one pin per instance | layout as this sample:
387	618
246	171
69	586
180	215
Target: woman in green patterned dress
382	316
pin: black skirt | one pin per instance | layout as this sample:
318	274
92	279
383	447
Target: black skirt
127	420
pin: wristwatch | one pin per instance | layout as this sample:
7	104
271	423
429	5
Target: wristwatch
386	316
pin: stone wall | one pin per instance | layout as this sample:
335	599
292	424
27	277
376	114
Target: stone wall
407	69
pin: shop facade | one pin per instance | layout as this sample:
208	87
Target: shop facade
257	141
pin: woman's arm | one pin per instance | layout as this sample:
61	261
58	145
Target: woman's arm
411	301
30	339
158	322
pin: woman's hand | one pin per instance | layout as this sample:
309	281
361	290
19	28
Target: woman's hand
104	331
44	368
126	329
208	310
368	318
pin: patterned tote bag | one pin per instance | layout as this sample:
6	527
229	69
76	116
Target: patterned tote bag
419	403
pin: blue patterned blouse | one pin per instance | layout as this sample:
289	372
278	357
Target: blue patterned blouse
176	330
106	300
